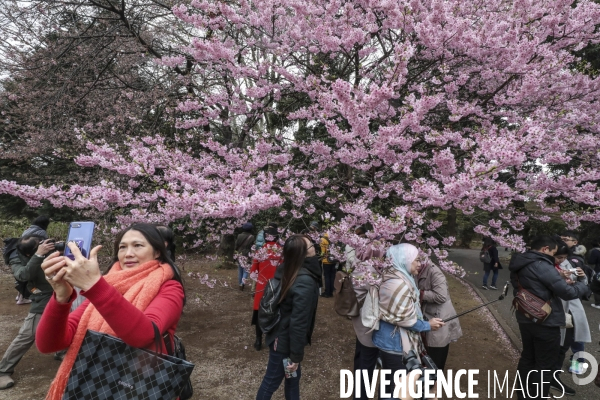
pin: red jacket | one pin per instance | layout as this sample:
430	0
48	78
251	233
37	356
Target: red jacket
266	269
57	326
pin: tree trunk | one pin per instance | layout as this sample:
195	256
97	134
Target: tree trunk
226	249
451	222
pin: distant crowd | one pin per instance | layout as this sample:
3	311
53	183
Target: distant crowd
396	312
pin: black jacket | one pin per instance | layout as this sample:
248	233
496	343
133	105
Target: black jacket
493	252
594	259
30	270
537	274
244	243
298	311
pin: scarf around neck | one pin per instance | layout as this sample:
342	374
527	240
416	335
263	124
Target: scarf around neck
138	285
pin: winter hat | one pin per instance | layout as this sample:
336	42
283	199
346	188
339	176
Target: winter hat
579	250
247	226
271	230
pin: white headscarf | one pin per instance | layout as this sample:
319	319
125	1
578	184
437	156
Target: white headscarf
402	255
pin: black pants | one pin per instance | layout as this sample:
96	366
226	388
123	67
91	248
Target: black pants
569	339
541	347
275	374
258	333
439	355
395	363
364	358
597	298
329	275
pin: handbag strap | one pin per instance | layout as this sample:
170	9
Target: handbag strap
158	342
519	287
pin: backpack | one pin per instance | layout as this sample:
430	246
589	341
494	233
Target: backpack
268	309
345	302
484	256
369	313
10	245
595	283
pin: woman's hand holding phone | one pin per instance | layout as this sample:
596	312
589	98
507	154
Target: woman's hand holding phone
63	273
81	272
292	367
53	269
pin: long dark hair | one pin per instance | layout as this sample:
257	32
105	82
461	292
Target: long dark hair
155	239
169	237
488	242
562	249
294	253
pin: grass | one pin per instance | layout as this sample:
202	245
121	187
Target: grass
15	228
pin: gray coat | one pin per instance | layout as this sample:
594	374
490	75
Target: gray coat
436	303
580	322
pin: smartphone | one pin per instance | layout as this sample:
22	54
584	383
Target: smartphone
288	374
81	233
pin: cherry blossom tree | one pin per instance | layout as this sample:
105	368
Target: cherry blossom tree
362	112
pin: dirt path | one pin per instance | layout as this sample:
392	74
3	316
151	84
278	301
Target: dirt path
216	330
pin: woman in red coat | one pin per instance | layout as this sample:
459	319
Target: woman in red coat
270	254
143	287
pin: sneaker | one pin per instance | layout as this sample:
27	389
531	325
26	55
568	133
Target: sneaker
595	306
577	367
493	287
574	367
23	301
557	384
485	287
6	382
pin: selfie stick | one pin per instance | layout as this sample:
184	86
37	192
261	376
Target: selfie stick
502	296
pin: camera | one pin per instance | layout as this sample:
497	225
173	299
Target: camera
412	363
58	246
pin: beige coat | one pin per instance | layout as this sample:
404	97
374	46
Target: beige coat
437	304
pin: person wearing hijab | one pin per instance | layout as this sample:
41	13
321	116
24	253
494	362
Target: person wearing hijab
401	318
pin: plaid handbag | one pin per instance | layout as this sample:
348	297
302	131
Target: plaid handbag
108	368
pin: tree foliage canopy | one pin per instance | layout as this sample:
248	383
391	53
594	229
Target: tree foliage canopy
376	112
